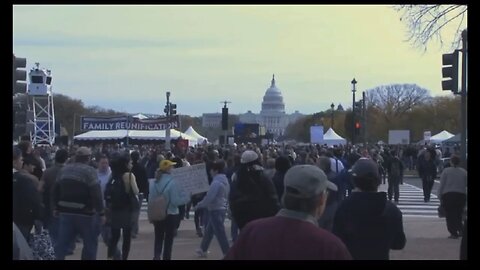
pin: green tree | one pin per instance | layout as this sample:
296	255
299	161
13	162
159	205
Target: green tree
300	129
68	112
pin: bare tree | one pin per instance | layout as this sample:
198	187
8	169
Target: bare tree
394	100
426	22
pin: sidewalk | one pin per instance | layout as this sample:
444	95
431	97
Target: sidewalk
427	239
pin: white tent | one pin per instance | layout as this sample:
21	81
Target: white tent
102	135
454	139
134	134
160	135
332	138
140	116
191	132
440	137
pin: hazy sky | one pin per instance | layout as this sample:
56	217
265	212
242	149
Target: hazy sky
126	57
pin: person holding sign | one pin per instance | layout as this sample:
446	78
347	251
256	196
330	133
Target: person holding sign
216	204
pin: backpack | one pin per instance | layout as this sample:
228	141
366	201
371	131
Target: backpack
116	195
157	208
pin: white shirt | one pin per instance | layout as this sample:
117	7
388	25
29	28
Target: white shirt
103	178
333	165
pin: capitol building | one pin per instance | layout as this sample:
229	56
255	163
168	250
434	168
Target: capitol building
272	116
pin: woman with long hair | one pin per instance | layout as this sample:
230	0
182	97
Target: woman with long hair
121	213
252	194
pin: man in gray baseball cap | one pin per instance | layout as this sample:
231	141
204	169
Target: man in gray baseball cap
307	181
293	234
83	151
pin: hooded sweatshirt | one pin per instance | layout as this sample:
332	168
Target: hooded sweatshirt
369	225
217	195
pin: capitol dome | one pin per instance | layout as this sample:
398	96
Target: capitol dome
273	100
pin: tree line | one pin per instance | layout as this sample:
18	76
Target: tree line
389	107
395	106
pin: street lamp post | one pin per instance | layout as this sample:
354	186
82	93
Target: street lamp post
332	106
354	82
364	118
463	101
167	131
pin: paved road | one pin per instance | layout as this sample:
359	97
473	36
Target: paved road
411	202
426	233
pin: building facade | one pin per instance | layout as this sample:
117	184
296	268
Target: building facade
213	120
272	115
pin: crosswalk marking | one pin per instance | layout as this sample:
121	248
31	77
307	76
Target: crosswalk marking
411	202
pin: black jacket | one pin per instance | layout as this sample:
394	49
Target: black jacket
277	180
252	196
369	225
27	202
426	168
141	178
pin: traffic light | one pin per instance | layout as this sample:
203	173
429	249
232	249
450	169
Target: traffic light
357	128
166	110
19	75
450	72
173	109
20	121
225	118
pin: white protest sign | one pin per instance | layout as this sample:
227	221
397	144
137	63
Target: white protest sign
192	179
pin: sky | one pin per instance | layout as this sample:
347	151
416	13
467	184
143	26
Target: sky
127	57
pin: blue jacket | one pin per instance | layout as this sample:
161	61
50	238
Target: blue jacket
217	195
173	193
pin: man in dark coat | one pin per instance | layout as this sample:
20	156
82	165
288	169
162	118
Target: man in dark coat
47	183
367	223
252	195
293	233
395	176
427	170
26	197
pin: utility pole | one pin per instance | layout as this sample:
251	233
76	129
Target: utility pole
167	131
463	93
128	130
354	82
364	118
225	121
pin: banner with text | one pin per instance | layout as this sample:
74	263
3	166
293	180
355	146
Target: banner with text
124	122
192	179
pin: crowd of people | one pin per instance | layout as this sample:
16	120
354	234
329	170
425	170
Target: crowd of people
316	202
